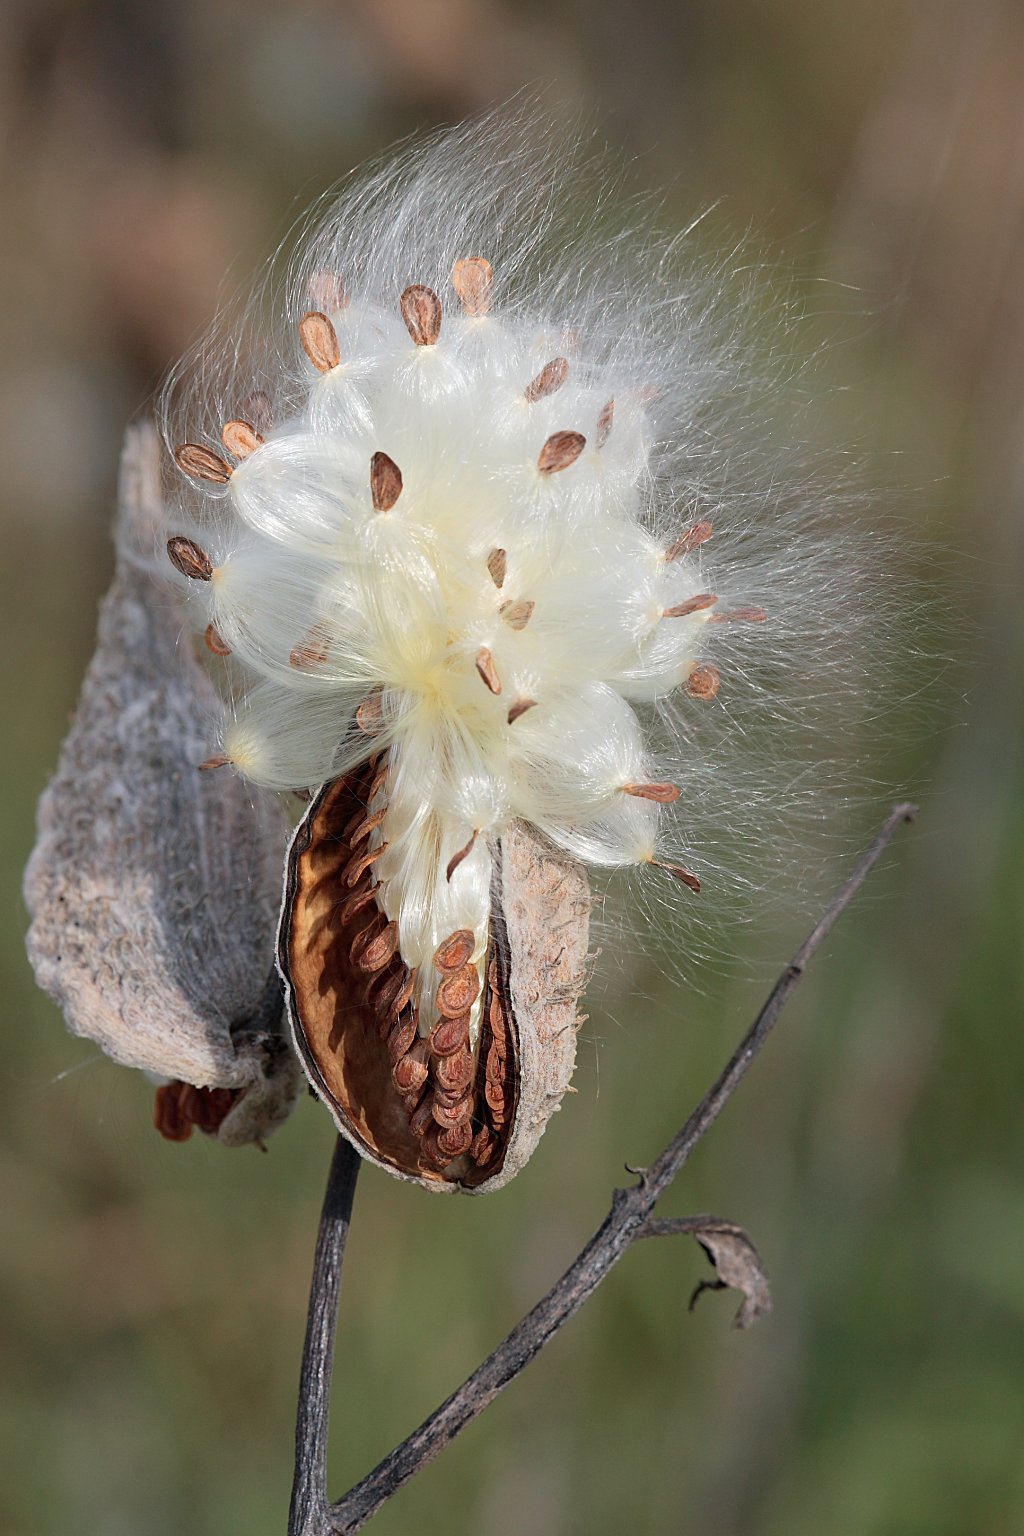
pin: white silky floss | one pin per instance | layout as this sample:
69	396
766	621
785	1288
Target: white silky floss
453	501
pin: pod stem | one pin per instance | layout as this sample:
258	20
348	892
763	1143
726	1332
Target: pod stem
627	1221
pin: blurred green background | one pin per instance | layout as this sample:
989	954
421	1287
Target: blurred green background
152	1296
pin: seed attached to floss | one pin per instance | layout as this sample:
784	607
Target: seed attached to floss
471	278
497	564
215	642
519	613
604	424
551	377
661	794
698	604
560	450
319	341
202	463
694	536
240	438
189	558
704	682
385	482
421	311
487	670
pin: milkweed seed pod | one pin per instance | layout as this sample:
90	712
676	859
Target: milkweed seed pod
152	888
467	515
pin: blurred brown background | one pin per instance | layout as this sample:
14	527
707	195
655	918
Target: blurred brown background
153	1296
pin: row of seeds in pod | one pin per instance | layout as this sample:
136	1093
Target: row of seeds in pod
455	1105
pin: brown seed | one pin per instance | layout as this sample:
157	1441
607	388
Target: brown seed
488	671
370	715
409	1074
740	615
201	463
355	903
401	1035
691	538
422	1118
494	1068
692	605
364	826
497	564
663	794
560	450
389	995
385	482
359	866
189	558
368	931
421	311
319	341
519	708
430	1149
483	1147
459	991
259	409
678	872
376	953
449	1035
604	423
218	761
458	1113
215	641
455	1140
455	951
471	279
703	682
494	1094
454	1073
240	438
312	650
551	377
519	613
327	292
463	853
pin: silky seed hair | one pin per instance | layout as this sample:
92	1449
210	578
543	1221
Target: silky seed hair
493	491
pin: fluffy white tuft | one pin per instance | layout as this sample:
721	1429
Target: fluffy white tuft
494	498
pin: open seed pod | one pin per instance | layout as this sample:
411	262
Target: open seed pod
455	1096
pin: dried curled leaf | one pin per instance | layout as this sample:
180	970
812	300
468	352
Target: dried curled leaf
738	1265
438	1100
153	888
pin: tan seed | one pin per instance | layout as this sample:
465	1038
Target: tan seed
201	463
240	438
454	1073
691	538
692	605
459	1113
449	1035
370	715
703	682
215	641
463	853
560	450
483	1147
519	708
401	1035
422	1118
487	670
459	991
551	377
456	1140
385	482
663	794
455	951
189	558
359	866
740	616
364	826
355	903
518	614
431	1148
497	564
409	1074
421	311
379	950
319	341
327	292
312	650
471	278
604	423
220	760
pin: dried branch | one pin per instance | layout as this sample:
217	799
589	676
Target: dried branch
628	1220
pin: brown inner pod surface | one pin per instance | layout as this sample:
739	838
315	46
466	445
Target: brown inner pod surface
409	1093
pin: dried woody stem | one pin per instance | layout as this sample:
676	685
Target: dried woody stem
627	1221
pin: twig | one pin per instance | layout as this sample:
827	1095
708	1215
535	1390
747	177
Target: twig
627	1220
309	1514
